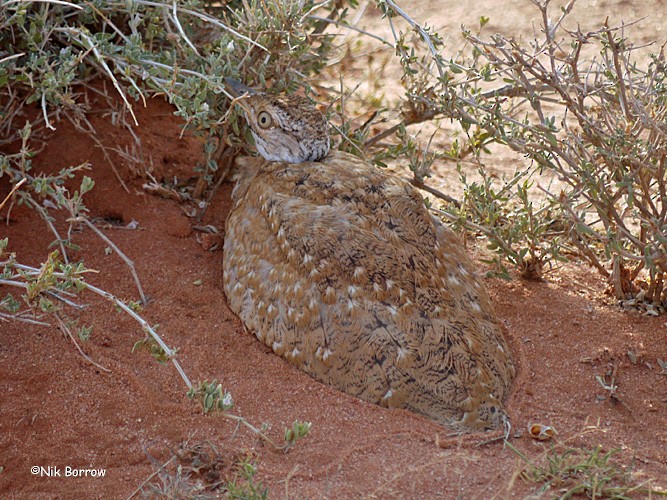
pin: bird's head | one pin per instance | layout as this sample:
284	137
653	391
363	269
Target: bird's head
286	127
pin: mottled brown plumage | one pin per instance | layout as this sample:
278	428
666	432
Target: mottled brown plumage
341	270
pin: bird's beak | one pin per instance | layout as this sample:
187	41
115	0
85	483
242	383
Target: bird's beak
239	92
237	89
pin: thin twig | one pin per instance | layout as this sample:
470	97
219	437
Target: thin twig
13	56
58	295
352	27
32	271
92	134
254	429
287	480
46	114
120	253
91	45
66	330
439	194
155	473
619	73
25	319
180	28
47	219
425	36
16	186
57	2
411	120
144	324
209	19
225	163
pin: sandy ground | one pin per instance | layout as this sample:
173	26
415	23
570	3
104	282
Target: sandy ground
58	410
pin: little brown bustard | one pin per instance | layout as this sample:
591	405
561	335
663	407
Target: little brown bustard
341	270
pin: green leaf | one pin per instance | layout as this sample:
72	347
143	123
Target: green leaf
86	184
583	228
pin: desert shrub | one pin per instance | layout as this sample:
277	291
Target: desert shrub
52	53
595	122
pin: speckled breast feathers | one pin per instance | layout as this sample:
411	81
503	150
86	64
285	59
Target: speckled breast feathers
340	269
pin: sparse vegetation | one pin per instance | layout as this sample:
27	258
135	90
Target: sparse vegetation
53	54
201	471
609	383
55	285
594	122
213	398
589	117
567	472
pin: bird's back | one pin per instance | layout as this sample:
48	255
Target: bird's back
340	269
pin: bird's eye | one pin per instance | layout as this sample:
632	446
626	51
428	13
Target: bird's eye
264	120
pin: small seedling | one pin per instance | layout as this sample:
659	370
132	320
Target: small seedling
84	332
157	351
299	430
211	396
608	383
633	357
10	304
244	486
